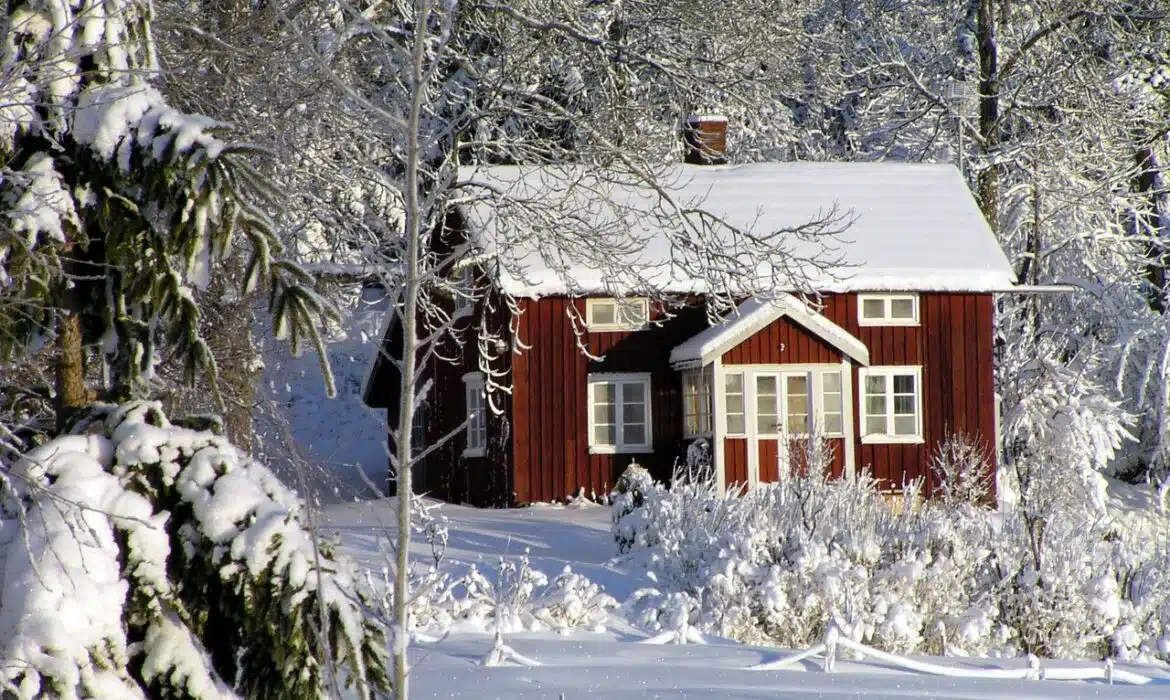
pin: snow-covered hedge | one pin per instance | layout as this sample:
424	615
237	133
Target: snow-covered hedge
777	564
141	559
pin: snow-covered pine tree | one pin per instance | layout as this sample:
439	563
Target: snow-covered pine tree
116	205
154	561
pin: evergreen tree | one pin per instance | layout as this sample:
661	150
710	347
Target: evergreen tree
116	206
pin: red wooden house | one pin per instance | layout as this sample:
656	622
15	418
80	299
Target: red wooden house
885	361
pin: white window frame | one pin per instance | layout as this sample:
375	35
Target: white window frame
887	306
814	380
743	413
620	446
620	308
889	372
706	405
475	433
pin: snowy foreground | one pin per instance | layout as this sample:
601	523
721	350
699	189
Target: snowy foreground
618	664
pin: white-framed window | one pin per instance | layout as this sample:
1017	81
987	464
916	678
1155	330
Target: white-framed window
812	399
891	404
832	405
735	411
610	314
887	309
619	413
476	404
696	390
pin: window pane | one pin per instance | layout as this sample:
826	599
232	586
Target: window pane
602	313
875	384
733	383
766	406
875	425
766	386
903	405
875	405
633	313
633	413
603	393
603	435
603	414
735	424
634	434
873	308
634	393
797	405
831	402
831	382
798	424
735	404
834	424
902	308
767	425
903	383
797	385
905	425
690	384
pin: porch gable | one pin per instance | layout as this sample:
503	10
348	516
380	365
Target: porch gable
754	315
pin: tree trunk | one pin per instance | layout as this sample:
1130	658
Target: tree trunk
413	225
72	394
988	110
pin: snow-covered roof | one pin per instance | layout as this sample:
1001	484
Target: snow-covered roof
753	316
916	226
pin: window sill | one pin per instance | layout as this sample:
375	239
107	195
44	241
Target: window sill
474	452
892	440
616	329
889	323
620	450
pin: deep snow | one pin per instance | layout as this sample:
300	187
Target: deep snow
617	664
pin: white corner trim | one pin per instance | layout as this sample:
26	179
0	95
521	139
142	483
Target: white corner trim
754	316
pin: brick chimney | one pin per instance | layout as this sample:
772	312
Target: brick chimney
705	140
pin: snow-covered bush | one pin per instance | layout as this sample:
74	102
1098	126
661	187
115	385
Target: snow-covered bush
961	469
779	563
143	560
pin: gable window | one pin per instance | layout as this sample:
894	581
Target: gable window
736	416
891	404
609	314
619	413
696	386
476	404
887	309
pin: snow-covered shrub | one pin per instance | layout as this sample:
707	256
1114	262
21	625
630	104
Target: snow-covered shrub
146	560
960	465
516	597
628	522
779	563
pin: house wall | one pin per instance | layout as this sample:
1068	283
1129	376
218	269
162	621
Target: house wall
550	454
954	345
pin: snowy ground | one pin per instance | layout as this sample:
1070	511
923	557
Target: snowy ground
615	665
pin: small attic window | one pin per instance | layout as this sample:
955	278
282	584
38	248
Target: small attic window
887	309
609	314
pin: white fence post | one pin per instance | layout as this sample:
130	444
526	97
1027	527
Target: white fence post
832	636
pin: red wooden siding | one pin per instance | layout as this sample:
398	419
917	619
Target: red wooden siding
550	446
953	344
782	342
735	460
